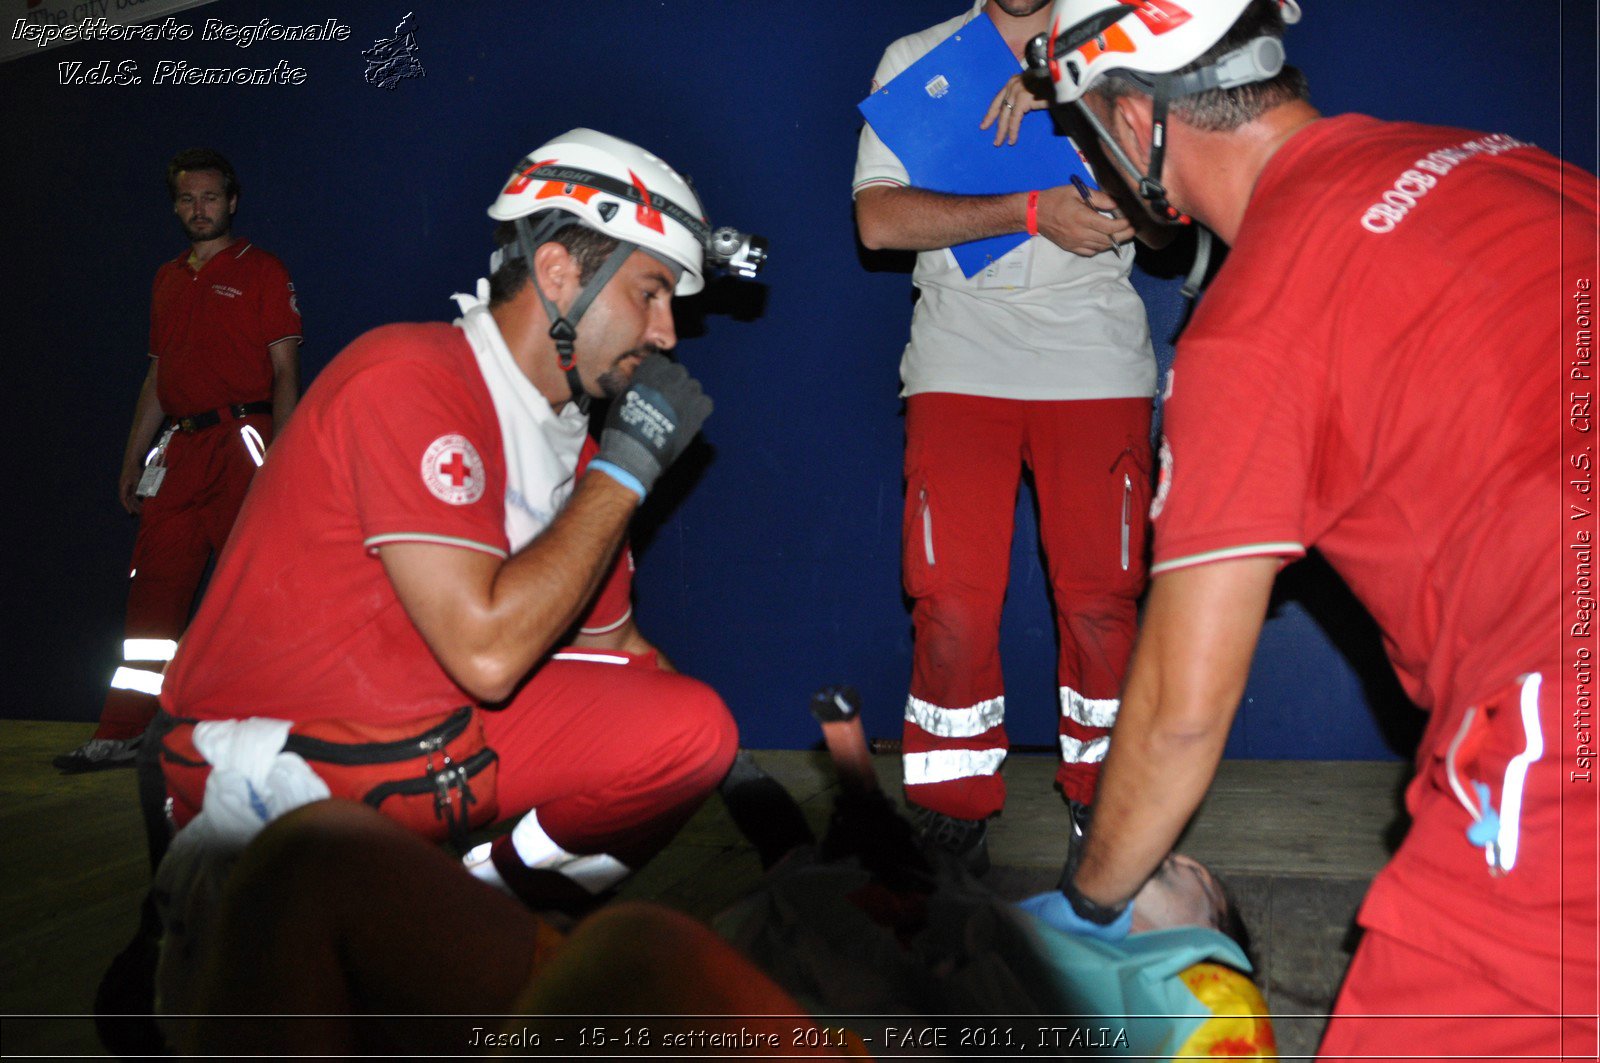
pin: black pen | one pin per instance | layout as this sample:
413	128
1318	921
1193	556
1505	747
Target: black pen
1083	191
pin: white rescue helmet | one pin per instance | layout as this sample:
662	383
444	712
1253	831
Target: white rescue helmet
1088	39
1146	42
616	188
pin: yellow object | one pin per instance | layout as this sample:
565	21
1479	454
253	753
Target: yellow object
1239	1027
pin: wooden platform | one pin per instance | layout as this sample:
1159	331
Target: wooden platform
1297	842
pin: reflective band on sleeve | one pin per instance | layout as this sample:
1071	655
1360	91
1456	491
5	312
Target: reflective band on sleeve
943	765
596	658
956	723
1077	751
254	444
137	679
1517	772
1284	549
595	872
148	649
1091	712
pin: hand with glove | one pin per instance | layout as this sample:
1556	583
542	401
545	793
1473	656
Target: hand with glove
1056	909
1066	909
650	423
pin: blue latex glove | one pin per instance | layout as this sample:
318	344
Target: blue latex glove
1053	909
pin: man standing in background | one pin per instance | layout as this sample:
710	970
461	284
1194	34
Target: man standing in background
224	373
1042	360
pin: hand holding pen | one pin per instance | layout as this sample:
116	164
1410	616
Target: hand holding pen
1079	219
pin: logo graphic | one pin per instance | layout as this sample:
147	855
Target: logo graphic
1161	15
651	425
391	60
647	216
1163	482
453	471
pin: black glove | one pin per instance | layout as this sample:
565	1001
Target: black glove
651	423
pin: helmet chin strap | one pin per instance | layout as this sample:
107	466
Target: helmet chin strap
1257	60
1150	186
564	326
1149	183
1254	61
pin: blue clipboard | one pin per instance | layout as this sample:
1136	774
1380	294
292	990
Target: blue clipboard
929	114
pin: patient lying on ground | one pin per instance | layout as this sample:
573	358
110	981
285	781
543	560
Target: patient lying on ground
336	913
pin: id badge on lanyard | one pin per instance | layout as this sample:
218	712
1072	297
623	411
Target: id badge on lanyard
155	466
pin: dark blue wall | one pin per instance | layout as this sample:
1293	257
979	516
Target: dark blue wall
771	565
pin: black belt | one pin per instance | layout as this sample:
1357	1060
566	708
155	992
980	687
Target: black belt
197	421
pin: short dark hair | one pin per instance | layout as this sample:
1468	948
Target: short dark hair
589	247
1222	110
191	159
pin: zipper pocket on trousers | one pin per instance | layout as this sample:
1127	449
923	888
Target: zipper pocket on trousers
1127	517
927	527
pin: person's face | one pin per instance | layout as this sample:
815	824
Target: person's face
631	318
1020	8
203	206
1181	893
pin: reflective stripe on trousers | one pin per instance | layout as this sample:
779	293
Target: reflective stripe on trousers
138	656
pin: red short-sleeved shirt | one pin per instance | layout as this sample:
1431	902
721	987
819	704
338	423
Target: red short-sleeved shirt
397	441
211	329
1377	372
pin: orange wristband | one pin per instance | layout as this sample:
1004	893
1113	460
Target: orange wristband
1033	213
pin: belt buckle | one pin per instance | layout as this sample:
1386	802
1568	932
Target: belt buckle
187	424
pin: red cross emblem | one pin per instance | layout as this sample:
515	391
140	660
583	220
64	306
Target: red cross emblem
455	470
452	471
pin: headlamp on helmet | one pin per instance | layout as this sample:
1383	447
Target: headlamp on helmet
741	254
617	188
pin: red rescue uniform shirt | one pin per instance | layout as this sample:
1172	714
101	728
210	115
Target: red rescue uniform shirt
1377	371
211	329
397	441
1387	389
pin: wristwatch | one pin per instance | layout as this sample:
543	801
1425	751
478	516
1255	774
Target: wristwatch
1093	911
